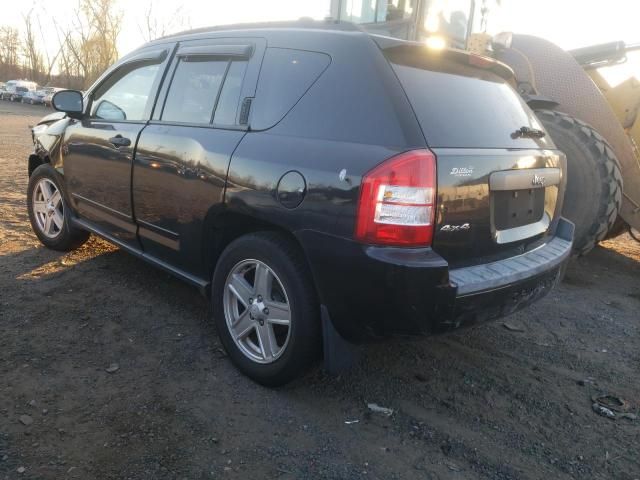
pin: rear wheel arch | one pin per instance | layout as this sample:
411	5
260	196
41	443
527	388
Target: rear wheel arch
223	228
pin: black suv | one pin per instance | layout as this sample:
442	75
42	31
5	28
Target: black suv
312	179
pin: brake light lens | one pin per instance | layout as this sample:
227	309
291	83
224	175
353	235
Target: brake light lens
397	201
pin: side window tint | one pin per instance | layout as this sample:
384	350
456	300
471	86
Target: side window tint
124	95
284	78
227	108
194	90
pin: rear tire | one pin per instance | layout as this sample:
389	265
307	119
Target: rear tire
48	212
594	183
243	319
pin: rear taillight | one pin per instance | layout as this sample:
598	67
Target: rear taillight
397	201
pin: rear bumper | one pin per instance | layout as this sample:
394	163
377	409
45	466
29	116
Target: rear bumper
379	291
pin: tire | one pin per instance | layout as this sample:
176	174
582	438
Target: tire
58	235
291	356
594	183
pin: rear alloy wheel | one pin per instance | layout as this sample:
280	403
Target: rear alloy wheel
265	308
257	311
48	214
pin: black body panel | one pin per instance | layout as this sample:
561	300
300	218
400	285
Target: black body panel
178	181
89	159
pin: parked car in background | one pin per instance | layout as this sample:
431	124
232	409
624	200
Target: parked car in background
18	93
16	89
314	181
9	87
34	98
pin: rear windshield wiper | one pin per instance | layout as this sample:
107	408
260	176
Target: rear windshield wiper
526	132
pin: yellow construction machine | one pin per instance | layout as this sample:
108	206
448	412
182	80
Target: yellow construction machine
594	124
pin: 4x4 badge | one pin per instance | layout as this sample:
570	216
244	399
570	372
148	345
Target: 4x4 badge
455	228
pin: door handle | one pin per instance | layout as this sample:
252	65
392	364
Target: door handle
120	141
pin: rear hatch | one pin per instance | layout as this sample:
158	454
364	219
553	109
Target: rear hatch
499	182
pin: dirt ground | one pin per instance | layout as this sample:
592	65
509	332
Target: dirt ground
507	400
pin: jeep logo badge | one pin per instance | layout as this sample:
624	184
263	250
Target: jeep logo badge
538	180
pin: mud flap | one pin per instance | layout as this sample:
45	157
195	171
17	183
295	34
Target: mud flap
339	354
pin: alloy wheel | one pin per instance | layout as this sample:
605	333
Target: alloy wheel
48	208
257	311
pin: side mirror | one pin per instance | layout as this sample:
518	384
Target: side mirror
68	101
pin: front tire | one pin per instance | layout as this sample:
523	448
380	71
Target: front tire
265	308
49	215
594	183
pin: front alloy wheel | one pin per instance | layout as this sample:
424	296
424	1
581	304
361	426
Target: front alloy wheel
47	213
48	208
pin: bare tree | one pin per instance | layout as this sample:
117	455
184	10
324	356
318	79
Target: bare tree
10	48
91	44
31	53
153	27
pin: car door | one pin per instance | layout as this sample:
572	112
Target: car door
183	154
98	150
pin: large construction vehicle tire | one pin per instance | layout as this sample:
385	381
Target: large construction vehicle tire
544	69
594	184
619	227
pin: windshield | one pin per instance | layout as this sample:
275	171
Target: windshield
21	89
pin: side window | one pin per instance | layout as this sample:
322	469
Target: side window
227	108
284	78
194	90
202	85
124	95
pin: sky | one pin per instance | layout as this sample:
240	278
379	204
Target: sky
568	23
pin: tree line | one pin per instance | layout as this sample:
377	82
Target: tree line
85	46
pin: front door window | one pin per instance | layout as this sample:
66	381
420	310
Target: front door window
125	95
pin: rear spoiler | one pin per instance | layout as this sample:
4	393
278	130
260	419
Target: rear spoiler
459	56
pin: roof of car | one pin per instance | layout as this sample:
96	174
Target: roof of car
303	23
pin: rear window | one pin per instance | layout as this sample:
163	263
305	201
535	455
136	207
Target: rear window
458	105
285	77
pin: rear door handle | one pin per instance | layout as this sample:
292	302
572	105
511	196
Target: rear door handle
120	141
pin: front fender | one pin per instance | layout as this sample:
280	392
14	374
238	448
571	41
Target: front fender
47	134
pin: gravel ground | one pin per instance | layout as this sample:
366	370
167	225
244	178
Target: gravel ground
506	400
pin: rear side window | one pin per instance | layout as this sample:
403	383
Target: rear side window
285	76
194	90
227	108
461	106
202	86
